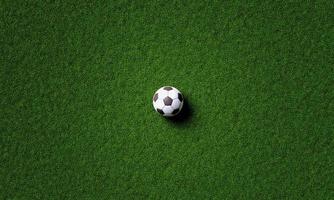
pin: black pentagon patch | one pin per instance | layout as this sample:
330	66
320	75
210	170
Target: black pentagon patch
168	88
155	97
160	111
180	96
175	111
168	101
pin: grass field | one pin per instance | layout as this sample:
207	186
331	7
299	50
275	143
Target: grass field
76	86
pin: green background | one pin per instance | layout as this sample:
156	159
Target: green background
76	115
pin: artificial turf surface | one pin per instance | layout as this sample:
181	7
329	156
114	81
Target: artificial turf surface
77	78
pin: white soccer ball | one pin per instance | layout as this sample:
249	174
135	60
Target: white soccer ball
168	101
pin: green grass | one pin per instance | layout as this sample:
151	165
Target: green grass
77	78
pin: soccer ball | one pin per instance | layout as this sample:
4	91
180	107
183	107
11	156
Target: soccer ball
168	101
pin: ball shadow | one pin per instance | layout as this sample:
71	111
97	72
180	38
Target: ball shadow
184	116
